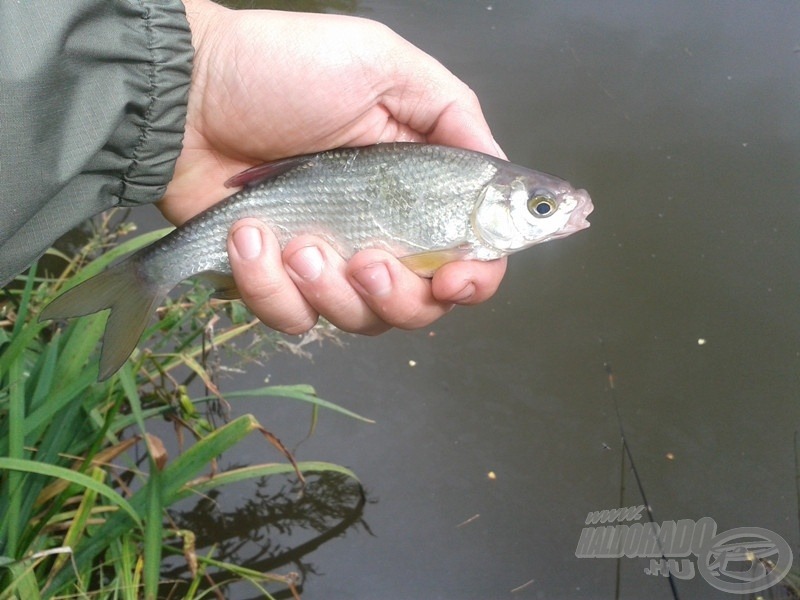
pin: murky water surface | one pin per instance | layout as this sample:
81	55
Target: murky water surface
683	121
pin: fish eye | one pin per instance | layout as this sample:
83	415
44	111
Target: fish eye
540	205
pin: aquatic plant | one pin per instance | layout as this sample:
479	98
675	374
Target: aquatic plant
84	486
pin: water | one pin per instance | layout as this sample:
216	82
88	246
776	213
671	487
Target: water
682	121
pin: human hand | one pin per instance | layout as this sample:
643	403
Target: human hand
270	84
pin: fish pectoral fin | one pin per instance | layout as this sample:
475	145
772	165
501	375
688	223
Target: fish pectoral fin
259	173
425	264
223	284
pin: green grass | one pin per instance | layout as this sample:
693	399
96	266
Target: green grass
81	517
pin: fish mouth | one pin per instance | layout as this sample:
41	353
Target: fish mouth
577	218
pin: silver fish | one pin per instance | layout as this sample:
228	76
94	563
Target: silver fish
427	204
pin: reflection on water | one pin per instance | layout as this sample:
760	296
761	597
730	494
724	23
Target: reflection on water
274	529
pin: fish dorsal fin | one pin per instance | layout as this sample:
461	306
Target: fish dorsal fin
425	264
259	173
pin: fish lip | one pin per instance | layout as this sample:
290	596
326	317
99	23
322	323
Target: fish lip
577	218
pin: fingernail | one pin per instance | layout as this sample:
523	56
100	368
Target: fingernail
247	241
375	279
499	149
465	294
307	262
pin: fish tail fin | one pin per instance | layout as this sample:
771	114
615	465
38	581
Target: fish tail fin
131	301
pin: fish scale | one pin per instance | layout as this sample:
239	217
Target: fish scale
426	204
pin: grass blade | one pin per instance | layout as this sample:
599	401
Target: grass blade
154	527
77	527
188	464
23	585
25	300
31	466
16	451
208	483
18	345
173	478
304	393
153	532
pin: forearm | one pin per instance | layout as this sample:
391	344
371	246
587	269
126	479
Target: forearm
92	112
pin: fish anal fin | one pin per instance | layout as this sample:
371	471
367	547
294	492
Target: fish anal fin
425	264
223	284
270	170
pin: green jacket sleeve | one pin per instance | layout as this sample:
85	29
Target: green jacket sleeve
93	100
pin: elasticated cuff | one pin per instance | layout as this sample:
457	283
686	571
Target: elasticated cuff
162	118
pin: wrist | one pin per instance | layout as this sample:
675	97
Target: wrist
200	14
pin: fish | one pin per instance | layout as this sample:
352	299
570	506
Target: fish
426	204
